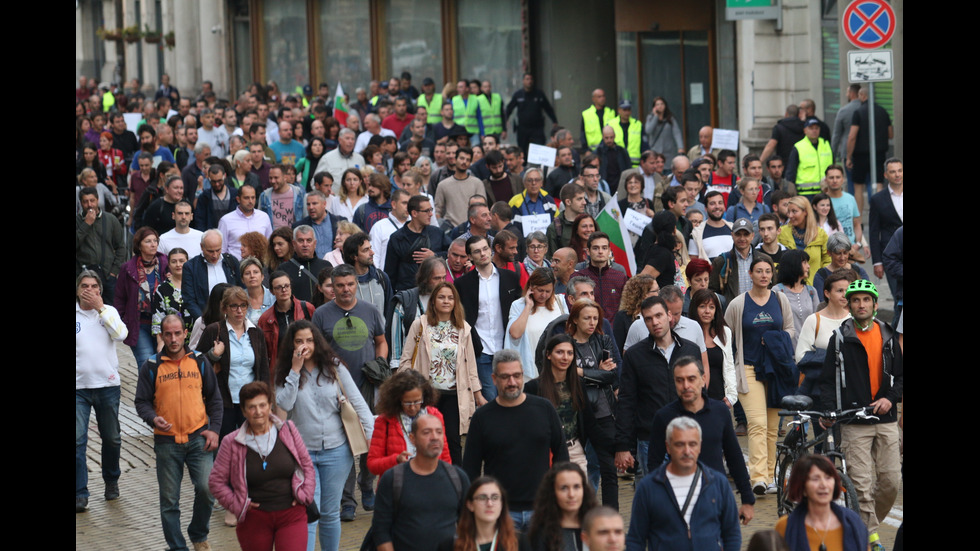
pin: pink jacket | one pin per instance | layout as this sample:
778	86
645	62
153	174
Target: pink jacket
227	481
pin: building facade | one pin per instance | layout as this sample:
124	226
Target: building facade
737	75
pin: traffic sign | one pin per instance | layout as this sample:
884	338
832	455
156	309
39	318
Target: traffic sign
870	66
869	24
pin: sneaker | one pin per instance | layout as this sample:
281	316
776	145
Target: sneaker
81	503
759	488
771	488
202	546
347	514
111	491
741	429
367	501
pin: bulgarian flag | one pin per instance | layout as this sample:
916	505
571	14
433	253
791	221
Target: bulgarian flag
610	221
340	106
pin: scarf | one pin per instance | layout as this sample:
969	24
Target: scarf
855	533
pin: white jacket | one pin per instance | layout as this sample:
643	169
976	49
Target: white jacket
96	363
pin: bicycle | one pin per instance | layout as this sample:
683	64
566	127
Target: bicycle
796	445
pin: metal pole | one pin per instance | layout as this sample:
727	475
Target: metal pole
873	180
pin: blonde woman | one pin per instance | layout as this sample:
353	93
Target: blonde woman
802	232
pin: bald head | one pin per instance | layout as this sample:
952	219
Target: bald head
679	165
704	137
598	98
564	254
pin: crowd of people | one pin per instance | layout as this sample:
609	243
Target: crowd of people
387	283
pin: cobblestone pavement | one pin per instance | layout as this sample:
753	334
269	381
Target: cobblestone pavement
133	521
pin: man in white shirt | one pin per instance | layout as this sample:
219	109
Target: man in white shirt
372	125
381	231
182	236
685	327
243	220
340	159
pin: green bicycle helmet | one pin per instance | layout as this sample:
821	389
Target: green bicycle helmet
862	286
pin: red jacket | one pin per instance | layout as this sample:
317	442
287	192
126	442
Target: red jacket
270	328
388	441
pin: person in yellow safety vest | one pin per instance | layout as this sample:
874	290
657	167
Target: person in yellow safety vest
492	109
464	109
430	100
632	139
594	119
108	98
809	159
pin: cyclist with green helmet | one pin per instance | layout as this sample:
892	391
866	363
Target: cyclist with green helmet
863	367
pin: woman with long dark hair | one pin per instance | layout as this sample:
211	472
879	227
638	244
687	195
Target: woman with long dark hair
563	499
561	383
582	228
438	346
823	208
707	311
659	260
484	522
353	193
138	280
280	247
305	166
663	131
530	317
311	381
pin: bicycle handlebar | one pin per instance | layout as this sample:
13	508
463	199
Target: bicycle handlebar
863	413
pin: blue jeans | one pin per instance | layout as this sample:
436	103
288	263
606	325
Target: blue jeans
145	347
484	369
593	460
105	401
171	458
331	468
642	456
522	520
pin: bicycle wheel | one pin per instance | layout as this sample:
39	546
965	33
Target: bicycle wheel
848	494
784	466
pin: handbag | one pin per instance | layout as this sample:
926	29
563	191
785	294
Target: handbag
418	337
352	424
312	513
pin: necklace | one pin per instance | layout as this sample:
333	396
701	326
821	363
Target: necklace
826	528
264	457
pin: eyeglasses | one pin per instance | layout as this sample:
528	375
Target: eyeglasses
411	404
493	498
280	288
508	376
238	306
537	247
428	210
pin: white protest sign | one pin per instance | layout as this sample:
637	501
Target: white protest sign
724	139
635	221
535	222
541	155
132	121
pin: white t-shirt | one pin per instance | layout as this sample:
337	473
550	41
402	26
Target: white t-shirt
190	242
681	486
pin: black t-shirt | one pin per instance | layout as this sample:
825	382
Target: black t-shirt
663	260
787	132
882	122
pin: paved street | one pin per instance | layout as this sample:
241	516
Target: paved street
133	521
